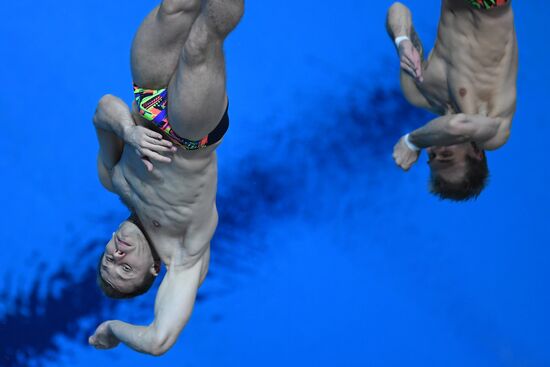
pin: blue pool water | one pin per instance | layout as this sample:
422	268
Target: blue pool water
326	255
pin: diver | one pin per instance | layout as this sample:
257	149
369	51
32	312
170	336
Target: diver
160	159
469	79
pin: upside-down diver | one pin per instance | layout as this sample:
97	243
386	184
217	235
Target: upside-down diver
160	159
469	79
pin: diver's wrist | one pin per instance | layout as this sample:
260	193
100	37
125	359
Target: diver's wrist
410	144
400	39
125	132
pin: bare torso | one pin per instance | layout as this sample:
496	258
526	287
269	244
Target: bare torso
175	202
179	46
473	66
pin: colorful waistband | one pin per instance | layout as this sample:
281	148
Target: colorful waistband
487	4
153	106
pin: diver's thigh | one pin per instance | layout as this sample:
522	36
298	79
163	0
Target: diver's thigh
159	41
197	92
196	95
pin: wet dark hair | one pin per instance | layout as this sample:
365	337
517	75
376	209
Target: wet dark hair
114	293
475	180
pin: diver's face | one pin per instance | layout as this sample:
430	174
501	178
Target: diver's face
450	162
127	258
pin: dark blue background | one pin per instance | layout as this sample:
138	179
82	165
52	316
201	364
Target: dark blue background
326	255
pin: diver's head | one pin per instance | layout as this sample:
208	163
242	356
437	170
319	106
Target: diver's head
127	268
458	172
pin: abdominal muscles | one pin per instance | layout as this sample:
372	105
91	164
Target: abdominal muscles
174	195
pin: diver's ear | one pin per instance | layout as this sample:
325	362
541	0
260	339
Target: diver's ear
479	154
155	268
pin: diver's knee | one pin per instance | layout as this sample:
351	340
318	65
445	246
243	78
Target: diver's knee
180	6
197	45
224	15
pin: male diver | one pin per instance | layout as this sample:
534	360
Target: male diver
160	159
469	79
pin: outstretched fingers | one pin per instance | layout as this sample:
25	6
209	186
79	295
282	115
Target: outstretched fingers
157	146
152	137
153	134
147	163
152	147
408	67
147	155
410	60
156	156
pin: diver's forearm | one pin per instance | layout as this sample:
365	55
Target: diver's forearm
456	129
398	21
113	115
111	118
139	338
438	132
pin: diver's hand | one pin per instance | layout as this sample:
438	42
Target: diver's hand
149	145
404	156
409	58
103	337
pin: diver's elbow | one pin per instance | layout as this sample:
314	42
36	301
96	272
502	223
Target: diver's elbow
102	105
398	8
159	350
161	344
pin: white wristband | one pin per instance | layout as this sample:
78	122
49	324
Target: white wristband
410	145
400	39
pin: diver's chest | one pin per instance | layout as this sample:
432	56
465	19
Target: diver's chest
459	83
459	94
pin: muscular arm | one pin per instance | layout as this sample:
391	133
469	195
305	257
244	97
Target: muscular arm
115	126
449	130
455	129
399	23
173	306
111	118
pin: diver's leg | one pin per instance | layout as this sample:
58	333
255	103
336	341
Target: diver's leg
159	40
196	94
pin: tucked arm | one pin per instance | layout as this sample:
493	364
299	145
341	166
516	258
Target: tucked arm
399	21
486	132
400	28
111	119
112	116
455	129
173	307
115	126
